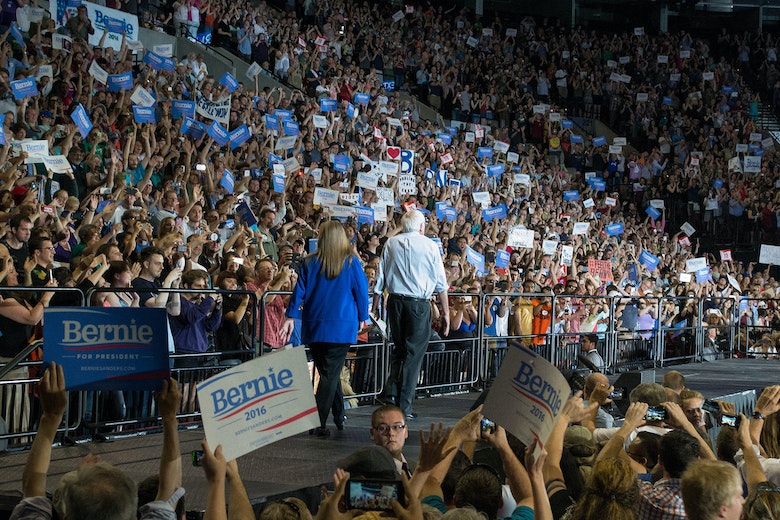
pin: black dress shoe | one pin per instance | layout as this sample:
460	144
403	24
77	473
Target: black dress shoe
320	432
340	425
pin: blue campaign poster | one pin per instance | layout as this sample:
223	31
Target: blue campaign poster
108	348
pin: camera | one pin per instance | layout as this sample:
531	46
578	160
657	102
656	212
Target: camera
181	249
104	191
200	167
655	414
710	406
730	420
373	495
487	426
617	394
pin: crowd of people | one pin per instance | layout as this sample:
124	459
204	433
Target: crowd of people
659	463
162	204
523	201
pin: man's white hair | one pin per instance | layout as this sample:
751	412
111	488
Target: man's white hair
413	221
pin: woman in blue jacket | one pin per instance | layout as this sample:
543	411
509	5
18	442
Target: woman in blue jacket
331	298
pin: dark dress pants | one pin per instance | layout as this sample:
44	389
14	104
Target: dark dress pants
329	359
410	325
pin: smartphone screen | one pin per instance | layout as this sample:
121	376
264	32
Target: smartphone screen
373	495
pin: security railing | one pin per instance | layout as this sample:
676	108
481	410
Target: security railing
632	332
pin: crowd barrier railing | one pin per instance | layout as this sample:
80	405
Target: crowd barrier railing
450	365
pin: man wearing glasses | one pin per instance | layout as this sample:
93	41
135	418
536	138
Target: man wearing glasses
42	253
388	429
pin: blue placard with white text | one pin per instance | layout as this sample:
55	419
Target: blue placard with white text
108	348
229	81
24	88
615	229
193	127
82	120
144	114
181	108
218	133
123	81
239	136
328	105
649	260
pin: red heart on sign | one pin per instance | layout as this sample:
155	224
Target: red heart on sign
394	152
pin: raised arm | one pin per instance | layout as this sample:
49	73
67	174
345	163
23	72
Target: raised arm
54	400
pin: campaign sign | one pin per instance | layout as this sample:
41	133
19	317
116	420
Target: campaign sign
144	114
291	128
108	348
475	258
600	269
325	197
571	195
450	214
527	395
575	139
182	107
703	275
362	98
218	133
666	100
271	122
444	137
599	141
158	62
484	151
278	179
114	26
193	128
615	229
497	212
653	212
239	136
364	215
258	402
495	170
24	88
341	162
502	258
229	81
283	115
328	105
598	185
57	164
117	82
82	121
228	181
244	214
649	260
567	123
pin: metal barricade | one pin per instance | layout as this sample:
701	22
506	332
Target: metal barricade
753	322
107	413
18	406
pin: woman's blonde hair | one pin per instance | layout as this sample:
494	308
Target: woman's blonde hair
611	492
332	248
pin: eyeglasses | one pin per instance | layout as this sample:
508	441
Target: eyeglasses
50	248
384	428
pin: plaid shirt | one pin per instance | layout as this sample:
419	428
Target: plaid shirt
662	501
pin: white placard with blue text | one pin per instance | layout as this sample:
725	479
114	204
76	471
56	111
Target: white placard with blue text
258	402
527	395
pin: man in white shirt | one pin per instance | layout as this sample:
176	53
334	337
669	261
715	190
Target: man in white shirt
411	270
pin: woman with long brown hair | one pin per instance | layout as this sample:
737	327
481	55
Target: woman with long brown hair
331	298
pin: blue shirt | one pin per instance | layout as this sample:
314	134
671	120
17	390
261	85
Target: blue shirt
191	327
